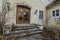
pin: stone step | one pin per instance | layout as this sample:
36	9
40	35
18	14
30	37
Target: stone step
29	30
24	27
36	29
21	30
18	34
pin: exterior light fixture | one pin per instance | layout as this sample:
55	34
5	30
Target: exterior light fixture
8	6
35	11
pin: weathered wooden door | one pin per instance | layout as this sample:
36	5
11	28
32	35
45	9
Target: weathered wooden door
23	15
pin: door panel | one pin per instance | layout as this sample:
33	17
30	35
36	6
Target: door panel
22	15
26	15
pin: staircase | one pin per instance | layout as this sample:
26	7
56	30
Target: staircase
23	30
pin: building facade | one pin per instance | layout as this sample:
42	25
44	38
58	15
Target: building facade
53	13
25	12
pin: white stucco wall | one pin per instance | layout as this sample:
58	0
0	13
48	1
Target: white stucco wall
34	4
53	20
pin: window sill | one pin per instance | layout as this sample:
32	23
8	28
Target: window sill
55	17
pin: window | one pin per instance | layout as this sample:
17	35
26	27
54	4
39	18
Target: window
40	14
55	13
26	13
42	1
49	0
20	15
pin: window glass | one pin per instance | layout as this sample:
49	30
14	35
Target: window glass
57	12
42	1
40	14
49	0
26	14
20	13
53	13
20	10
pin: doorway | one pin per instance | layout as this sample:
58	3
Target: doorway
23	15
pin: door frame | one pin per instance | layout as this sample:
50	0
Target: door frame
25	7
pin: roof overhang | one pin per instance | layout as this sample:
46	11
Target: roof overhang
53	3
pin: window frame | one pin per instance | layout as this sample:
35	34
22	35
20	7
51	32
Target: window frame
41	16
55	13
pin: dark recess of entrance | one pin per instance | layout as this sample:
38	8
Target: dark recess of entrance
23	14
